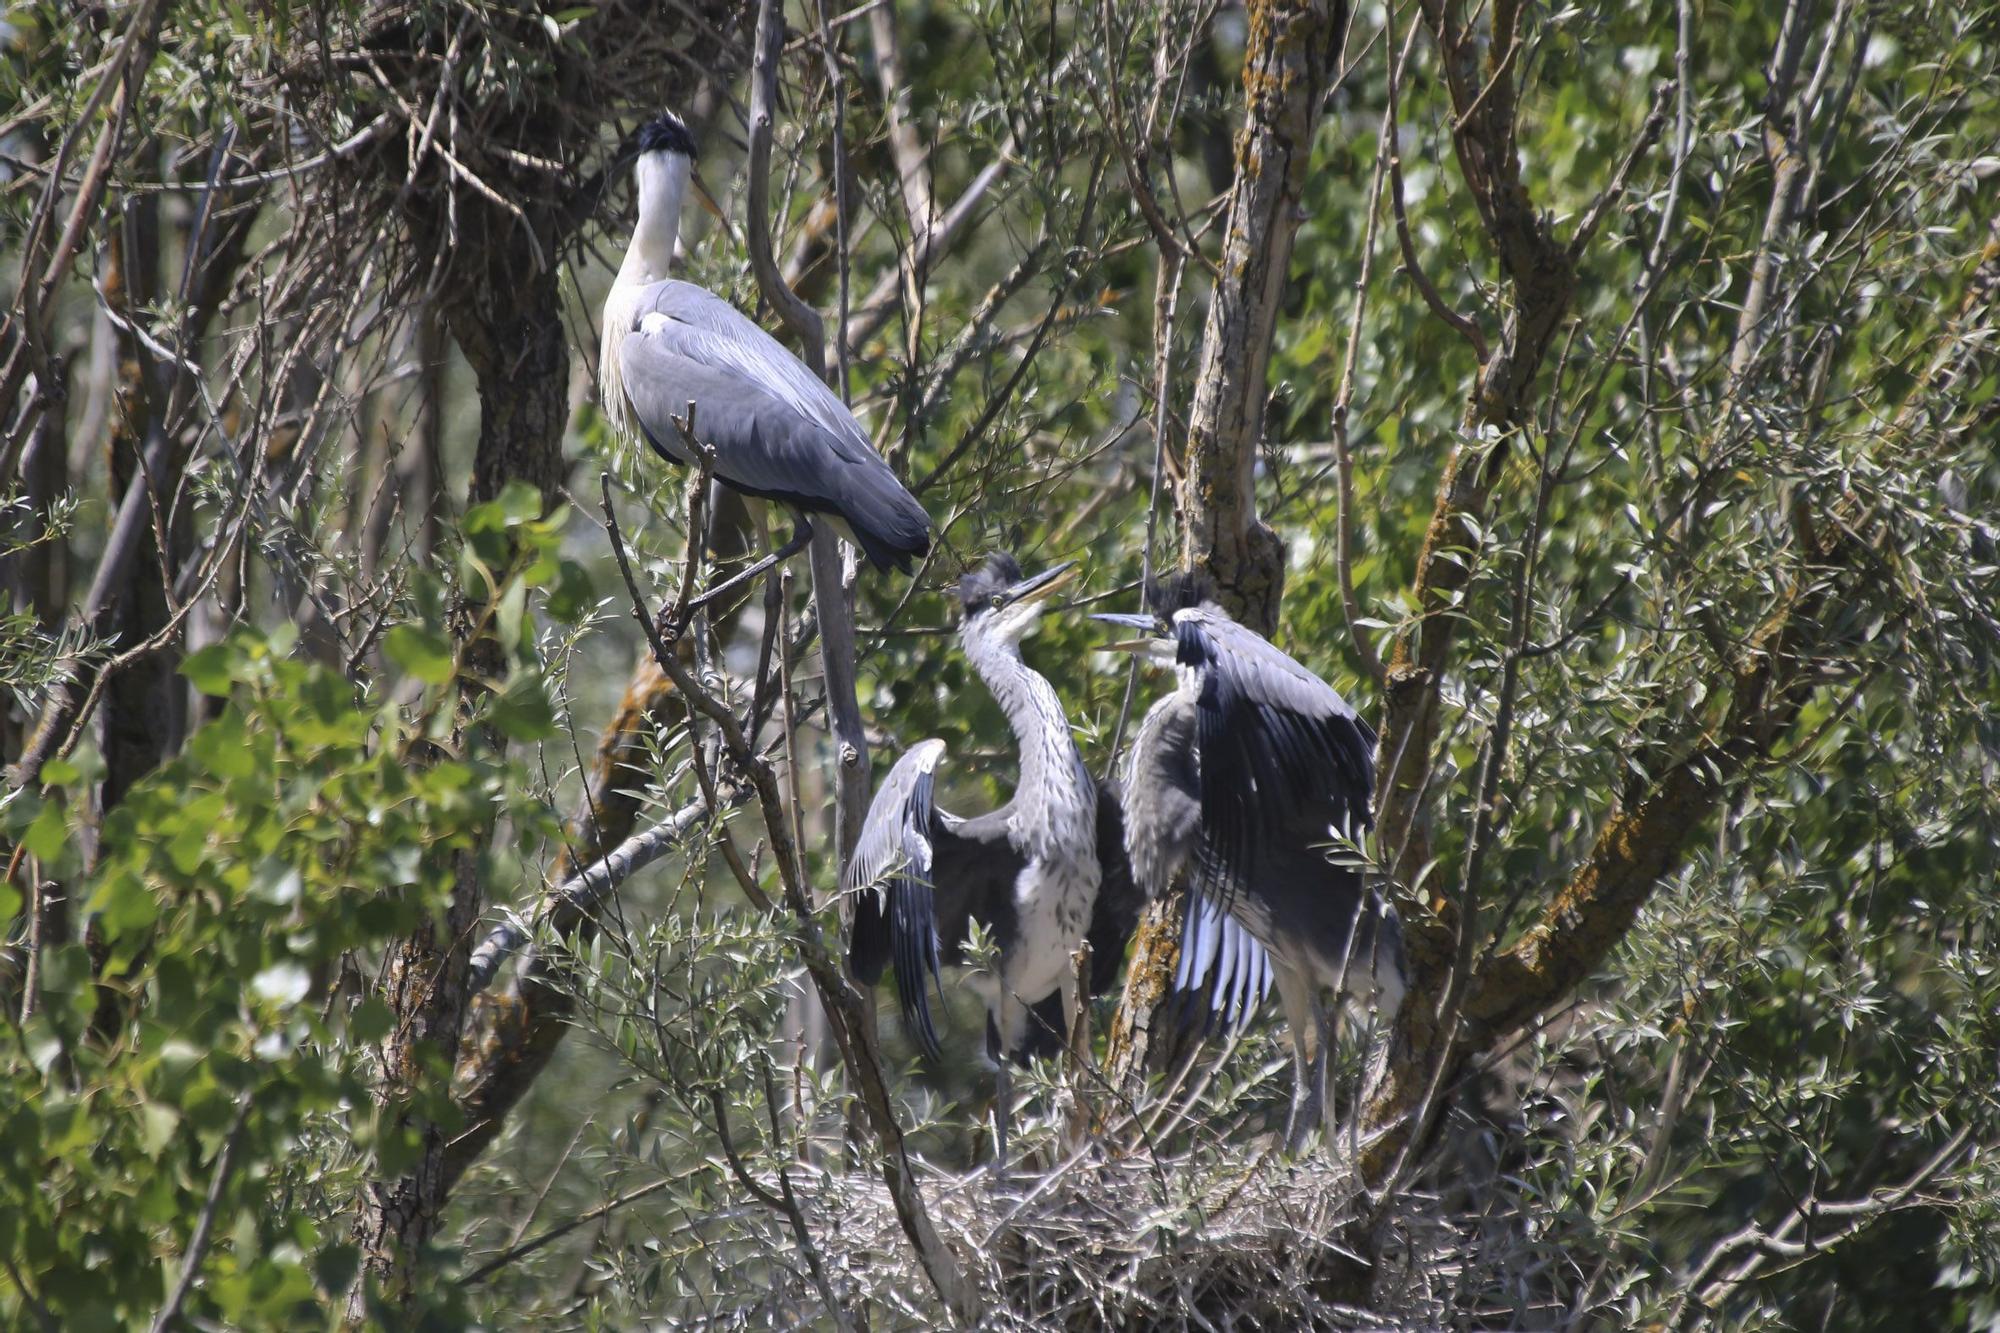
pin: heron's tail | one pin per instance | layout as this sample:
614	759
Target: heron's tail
885	520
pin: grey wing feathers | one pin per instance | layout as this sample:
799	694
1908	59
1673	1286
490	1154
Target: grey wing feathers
1224	972
895	909
1282	756
776	430
705	328
1162	795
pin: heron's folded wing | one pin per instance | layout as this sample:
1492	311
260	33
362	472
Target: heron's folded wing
890	876
1224	973
1119	898
769	438
701	326
1161	797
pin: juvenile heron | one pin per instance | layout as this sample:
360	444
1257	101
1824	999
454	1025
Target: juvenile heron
1243	783
672	350
1040	873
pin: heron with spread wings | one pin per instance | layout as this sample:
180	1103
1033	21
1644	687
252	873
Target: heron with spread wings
679	365
1040	874
1249	784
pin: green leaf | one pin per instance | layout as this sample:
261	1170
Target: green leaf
513	612
424	653
212	669
157	1123
124	904
371	1021
570	597
522	711
46	837
223	748
520	502
276	883
283	983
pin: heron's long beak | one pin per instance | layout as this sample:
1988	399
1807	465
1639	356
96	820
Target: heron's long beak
706	199
1041	585
1146	623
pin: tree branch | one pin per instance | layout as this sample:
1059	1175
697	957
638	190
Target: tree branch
581	895
1286	69
204	1227
850	1014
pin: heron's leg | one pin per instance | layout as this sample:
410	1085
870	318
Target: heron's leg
1326	1021
670	627
1072	1002
1295	996
1003	1038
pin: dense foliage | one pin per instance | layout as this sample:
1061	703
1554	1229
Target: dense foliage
1639	477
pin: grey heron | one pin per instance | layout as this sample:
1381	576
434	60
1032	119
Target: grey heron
1040	874
1243	783
674	353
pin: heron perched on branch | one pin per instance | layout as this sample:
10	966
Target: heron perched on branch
682	369
1040	874
1250	783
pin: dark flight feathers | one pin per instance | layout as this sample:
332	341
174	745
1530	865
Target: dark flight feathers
1282	756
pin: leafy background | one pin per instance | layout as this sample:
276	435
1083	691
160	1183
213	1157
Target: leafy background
395	667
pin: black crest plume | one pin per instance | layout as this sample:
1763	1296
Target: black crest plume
667	133
999	573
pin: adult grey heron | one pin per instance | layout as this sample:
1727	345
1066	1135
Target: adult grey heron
1243	784
1040	874
674	353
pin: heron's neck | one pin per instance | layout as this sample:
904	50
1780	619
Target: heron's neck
1054	811
663	181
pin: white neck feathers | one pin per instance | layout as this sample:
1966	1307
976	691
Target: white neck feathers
1055	802
663	182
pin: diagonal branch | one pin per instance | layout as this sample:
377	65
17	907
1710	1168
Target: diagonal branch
850	1014
1540	273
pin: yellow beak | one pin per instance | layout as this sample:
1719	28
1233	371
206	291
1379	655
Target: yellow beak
707	200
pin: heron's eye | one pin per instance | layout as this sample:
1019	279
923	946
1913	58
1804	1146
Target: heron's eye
993	603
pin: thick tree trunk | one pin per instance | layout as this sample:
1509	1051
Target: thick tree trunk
1285	72
425	988
513	339
520	1032
143	712
508	322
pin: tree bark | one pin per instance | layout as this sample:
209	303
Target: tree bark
508	322
139	719
1541	279
519	1032
500	297
425	989
1644	836
506	316
1285	74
